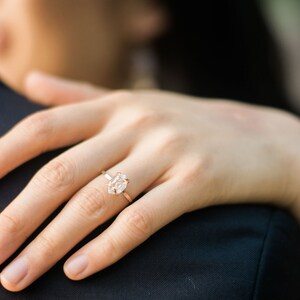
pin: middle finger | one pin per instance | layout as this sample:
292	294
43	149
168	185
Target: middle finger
56	182
88	208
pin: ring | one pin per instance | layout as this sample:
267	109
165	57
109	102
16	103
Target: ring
117	184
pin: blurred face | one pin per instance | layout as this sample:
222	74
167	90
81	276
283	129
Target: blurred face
78	39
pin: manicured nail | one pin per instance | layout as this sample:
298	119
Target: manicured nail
16	271
77	265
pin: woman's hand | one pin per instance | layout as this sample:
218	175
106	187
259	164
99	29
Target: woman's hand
182	152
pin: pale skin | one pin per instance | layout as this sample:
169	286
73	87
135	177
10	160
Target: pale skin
185	153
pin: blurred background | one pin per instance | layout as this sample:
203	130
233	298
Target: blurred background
283	18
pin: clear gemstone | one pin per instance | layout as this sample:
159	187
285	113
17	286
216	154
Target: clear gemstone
117	184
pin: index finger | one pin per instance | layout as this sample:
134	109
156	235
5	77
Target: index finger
51	129
51	90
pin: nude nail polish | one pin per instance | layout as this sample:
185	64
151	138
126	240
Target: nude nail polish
15	271
77	265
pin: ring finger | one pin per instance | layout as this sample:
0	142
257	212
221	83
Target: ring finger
88	208
55	183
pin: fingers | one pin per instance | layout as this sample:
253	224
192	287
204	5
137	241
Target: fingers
87	209
56	182
133	226
49	90
51	129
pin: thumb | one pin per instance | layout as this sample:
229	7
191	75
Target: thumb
51	91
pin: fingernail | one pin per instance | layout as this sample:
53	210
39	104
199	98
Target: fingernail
77	265
16	271
36	75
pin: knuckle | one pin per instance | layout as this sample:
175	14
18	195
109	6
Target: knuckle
91	201
137	222
196	175
121	96
172	139
38	124
110	248
56	174
46	246
197	168
10	223
143	117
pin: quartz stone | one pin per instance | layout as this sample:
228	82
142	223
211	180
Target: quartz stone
118	184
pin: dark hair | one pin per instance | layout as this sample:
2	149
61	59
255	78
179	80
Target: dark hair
220	49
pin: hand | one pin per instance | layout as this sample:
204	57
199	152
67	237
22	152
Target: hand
183	152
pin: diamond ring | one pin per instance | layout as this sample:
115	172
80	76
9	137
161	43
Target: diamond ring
117	184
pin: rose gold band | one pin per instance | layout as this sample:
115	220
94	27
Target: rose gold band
127	197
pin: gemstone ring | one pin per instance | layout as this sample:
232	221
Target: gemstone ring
117	184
